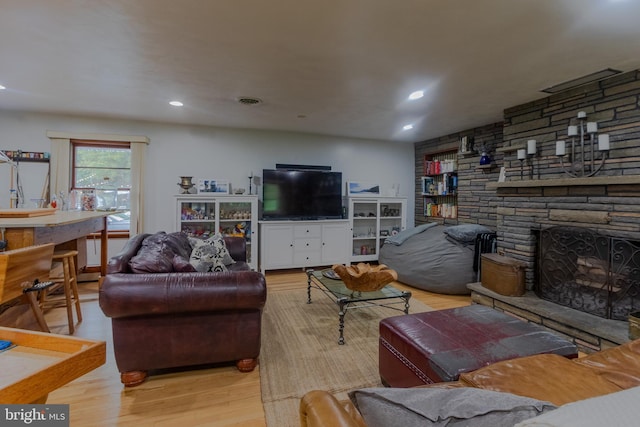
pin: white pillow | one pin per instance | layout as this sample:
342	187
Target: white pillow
210	254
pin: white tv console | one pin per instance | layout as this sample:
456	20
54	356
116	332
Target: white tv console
293	244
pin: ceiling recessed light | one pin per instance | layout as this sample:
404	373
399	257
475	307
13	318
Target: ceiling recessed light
416	95
2	87
176	103
249	100
407	127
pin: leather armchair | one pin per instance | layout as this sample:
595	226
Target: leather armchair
177	319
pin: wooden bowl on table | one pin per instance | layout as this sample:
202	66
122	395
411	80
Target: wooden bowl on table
365	278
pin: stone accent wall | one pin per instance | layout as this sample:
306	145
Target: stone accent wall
476	203
613	103
609	202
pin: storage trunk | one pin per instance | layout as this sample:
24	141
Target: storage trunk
502	274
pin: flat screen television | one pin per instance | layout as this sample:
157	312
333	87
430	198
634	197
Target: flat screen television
301	194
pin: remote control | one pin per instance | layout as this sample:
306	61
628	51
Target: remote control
38	286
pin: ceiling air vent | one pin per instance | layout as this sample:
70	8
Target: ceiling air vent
247	100
589	78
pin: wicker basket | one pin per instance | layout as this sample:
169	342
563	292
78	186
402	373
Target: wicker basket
365	278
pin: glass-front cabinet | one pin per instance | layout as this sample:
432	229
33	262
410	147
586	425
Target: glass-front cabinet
203	215
372	221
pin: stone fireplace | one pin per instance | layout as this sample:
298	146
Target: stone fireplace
586	287
521	199
545	196
588	271
584	293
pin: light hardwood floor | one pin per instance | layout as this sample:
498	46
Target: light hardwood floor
219	396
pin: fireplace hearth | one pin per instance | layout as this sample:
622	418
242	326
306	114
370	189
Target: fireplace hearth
585	270
590	333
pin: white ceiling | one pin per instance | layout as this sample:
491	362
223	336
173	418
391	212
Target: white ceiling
335	67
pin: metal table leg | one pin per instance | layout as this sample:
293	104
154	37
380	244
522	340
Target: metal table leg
309	273
342	303
406	296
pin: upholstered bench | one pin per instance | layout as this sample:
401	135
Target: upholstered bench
437	346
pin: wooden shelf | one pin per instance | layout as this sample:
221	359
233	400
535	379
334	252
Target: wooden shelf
467	153
486	167
29	159
27	156
567	182
511	148
442	201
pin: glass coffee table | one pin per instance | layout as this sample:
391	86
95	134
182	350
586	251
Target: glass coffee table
346	299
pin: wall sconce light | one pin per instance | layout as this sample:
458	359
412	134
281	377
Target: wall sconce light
532	151
527	154
582	155
522	154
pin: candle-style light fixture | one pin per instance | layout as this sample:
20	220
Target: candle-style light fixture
532	151
582	160
527	154
522	155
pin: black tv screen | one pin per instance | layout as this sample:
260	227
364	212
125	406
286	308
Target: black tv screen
301	194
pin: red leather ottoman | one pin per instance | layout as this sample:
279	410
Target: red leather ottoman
437	346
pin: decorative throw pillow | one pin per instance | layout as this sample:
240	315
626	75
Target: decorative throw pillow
182	265
472	407
466	233
179	244
210	254
153	255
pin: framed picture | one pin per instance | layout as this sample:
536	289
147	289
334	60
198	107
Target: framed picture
355	188
219	186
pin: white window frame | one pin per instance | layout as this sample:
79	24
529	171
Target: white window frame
60	163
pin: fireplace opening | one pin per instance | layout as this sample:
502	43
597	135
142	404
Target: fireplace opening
588	271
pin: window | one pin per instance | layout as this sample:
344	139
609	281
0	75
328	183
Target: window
104	169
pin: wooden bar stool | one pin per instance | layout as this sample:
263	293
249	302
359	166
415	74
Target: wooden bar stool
68	282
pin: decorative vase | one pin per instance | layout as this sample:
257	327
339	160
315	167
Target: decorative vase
484	159
186	184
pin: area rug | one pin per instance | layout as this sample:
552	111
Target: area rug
300	350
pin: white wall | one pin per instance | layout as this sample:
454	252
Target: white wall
208	152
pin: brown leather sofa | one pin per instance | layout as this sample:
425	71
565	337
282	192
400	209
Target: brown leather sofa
546	377
182	318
